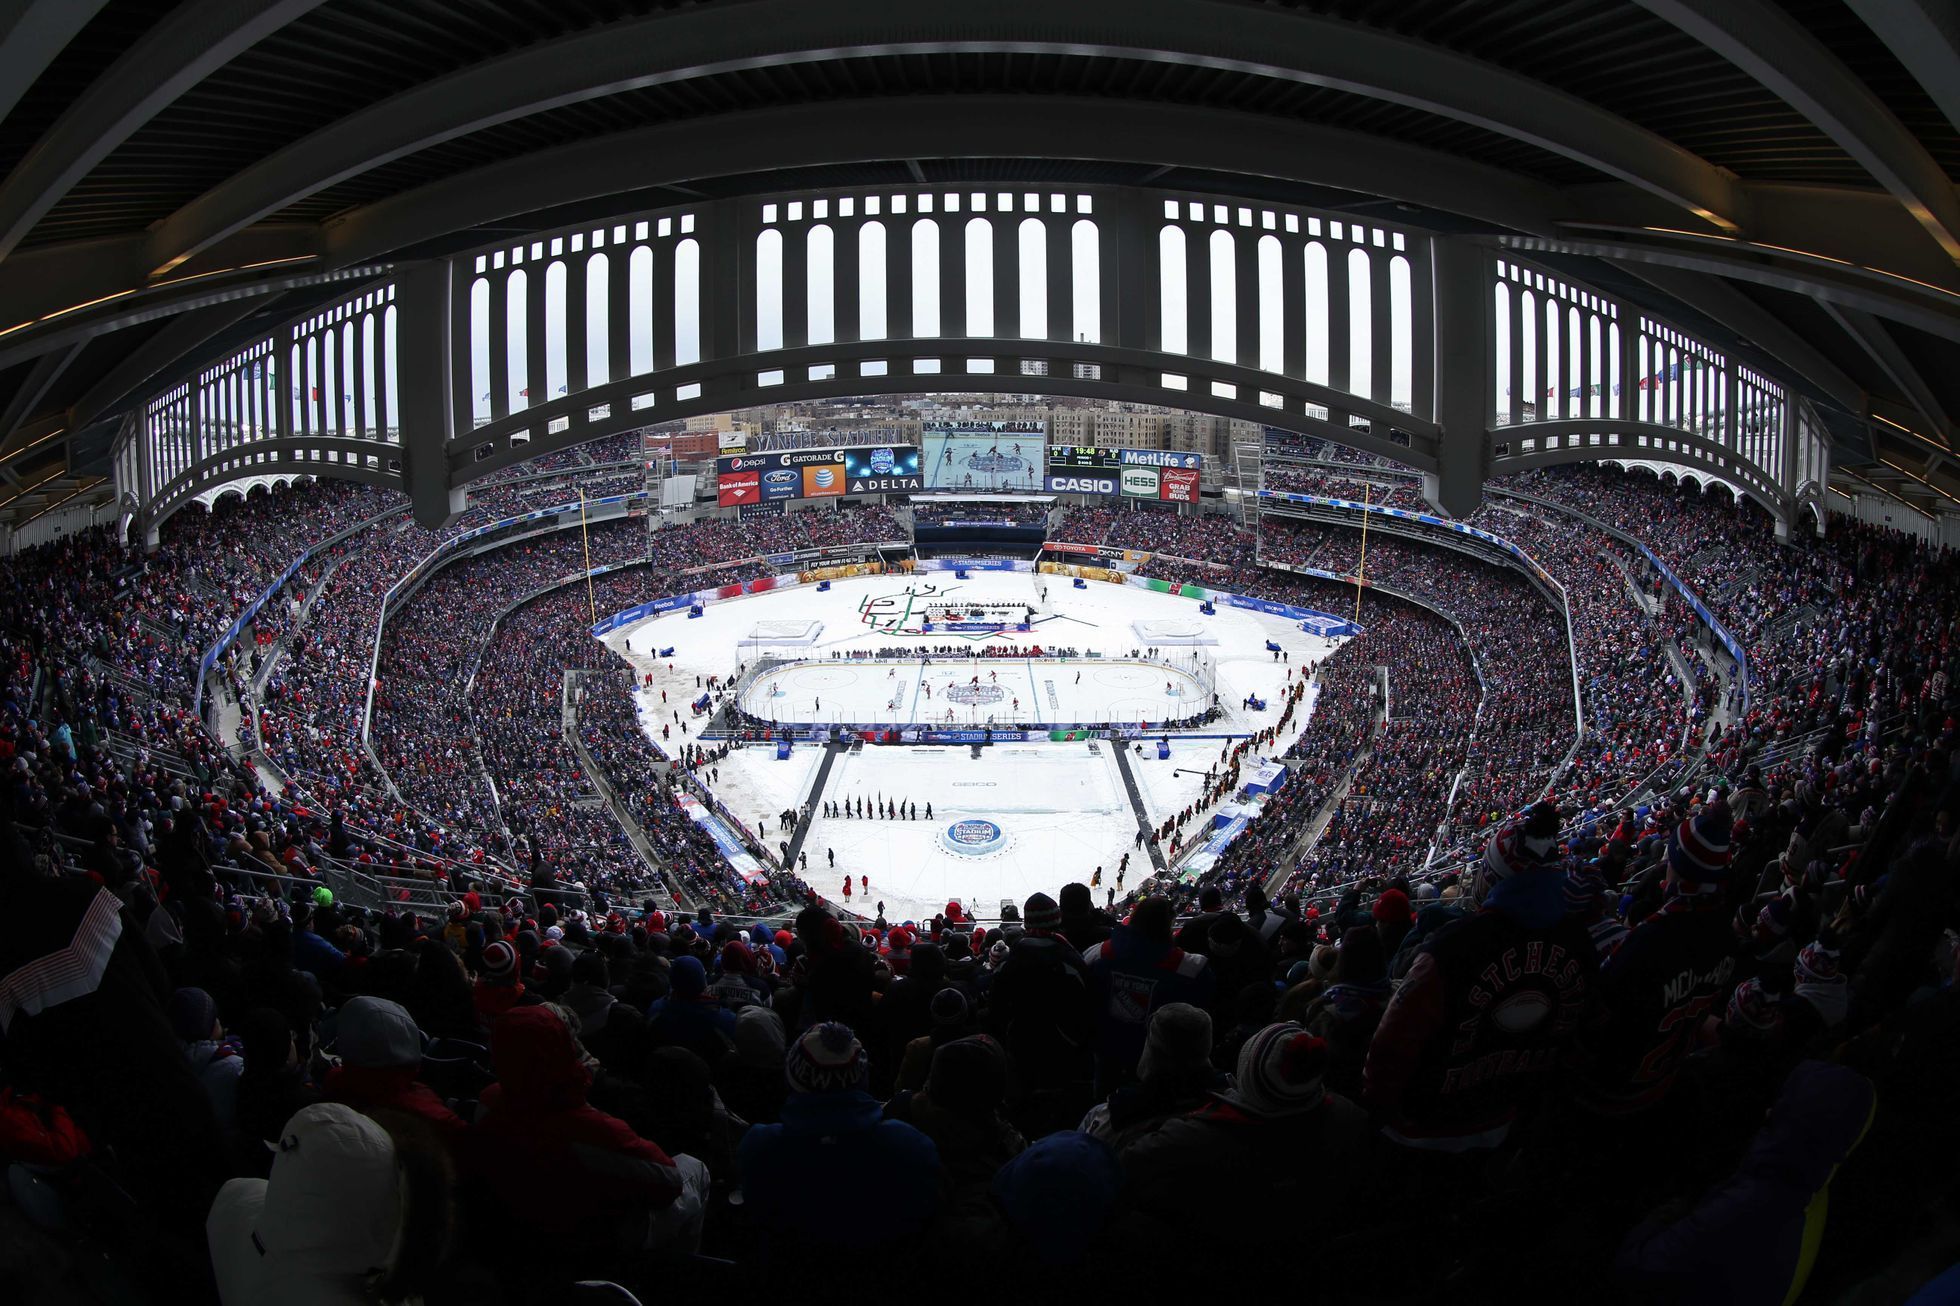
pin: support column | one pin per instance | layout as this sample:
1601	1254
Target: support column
898	276
952	274
1127	238
796	284
1246	305
1463	376
1059	231
427	362
1197	293
1007	274
846	282
575	315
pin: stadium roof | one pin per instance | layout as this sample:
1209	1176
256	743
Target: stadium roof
1777	173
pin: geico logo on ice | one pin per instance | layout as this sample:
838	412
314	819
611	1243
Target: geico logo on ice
1082	484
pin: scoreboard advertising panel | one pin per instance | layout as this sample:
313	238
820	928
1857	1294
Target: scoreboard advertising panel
1167	475
815	474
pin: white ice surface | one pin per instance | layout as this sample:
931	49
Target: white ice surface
1063	809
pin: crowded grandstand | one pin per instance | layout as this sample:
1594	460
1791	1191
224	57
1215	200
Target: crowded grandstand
360	861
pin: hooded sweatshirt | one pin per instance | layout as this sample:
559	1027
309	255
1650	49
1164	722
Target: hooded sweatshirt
538	1134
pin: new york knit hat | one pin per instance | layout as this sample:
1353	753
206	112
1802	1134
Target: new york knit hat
1179	1038
1698	851
1281	1069
499	960
1042	913
827	1059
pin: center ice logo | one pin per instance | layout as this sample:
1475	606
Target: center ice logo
974	836
976	695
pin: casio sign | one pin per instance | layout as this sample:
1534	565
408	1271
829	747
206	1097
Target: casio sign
1082	484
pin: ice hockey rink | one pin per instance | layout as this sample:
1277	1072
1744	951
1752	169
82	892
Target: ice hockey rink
1024	816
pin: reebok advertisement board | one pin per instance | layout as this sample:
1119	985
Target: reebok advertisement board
815	474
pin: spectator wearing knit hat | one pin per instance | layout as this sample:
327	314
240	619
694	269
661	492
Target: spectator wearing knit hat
1038	1008
959	1109
1174	1075
1671	971
1491	1001
835	1173
497	986
1255	1146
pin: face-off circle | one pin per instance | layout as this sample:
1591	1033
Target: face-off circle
977	695
973	837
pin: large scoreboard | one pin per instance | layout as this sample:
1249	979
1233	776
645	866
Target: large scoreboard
1167	475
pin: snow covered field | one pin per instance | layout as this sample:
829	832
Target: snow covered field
1024	816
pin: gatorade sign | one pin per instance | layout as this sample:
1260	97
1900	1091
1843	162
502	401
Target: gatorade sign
1140	482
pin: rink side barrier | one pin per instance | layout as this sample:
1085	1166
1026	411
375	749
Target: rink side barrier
1324	624
743	589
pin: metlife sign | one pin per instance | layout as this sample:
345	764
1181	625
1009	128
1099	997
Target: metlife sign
1140	482
1162	458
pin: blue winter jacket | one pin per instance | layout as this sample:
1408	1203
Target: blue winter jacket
835	1173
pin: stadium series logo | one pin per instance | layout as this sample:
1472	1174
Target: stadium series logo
973	837
973	832
976	695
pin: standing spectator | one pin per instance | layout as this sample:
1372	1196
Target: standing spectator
1133	973
1665	976
1490	1002
1275	1131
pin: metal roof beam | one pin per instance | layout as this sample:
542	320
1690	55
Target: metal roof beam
184	340
32	33
944	126
41	377
668	48
1763	41
1930	308
1925	37
186	46
1876	341
1717	300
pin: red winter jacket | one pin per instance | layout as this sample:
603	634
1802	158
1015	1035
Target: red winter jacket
562	1167
393	1088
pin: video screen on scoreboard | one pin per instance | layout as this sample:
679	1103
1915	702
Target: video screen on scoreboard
984	459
